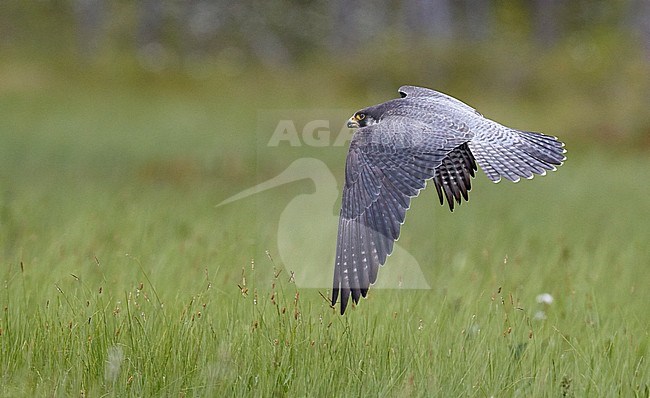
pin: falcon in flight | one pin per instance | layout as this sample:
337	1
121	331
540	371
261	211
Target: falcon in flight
400	145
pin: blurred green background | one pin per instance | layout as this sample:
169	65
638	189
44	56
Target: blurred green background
120	102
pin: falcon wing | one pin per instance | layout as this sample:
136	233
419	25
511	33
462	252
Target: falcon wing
499	150
387	164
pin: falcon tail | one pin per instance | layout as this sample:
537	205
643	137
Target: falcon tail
528	154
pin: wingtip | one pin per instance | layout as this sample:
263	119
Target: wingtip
335	296
345	297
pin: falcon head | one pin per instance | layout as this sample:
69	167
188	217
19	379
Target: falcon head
363	118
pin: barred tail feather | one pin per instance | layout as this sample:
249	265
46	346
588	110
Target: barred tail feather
514	154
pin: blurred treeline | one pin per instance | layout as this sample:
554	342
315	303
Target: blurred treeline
588	61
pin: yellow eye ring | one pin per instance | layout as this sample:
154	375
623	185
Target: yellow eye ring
360	116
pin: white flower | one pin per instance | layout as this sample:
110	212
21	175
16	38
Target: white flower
545	298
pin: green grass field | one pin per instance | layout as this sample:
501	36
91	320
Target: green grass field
120	277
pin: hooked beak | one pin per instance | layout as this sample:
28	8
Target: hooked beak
353	123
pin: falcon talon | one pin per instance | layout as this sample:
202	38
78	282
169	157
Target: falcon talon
401	144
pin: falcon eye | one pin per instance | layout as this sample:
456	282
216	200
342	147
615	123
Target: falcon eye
360	116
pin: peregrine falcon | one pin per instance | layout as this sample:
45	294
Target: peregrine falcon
401	144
